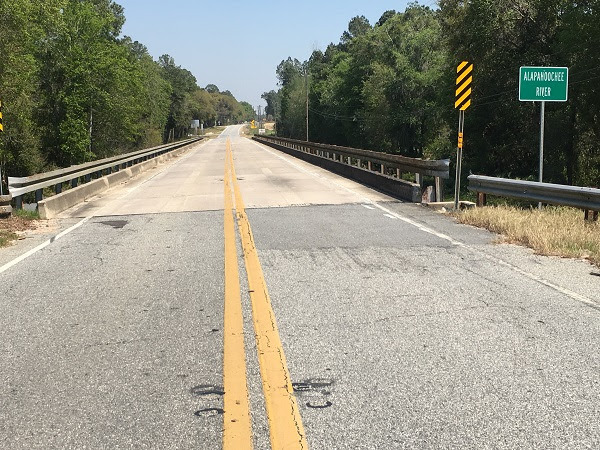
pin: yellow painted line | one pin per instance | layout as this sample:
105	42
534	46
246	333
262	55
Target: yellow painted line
285	424
237	428
464	74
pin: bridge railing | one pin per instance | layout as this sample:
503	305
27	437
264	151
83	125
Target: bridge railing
386	165
19	186
585	198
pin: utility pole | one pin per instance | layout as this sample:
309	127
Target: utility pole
306	83
259	116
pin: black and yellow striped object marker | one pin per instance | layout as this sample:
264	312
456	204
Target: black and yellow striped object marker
464	78
1	122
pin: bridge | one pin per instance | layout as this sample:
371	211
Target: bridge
238	297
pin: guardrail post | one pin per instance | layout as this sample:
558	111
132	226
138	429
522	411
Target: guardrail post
591	215
398	173
382	169
369	165
19	202
58	188
439	189
87	178
419	179
74	182
481	198
39	195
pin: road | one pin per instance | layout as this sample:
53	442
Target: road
397	327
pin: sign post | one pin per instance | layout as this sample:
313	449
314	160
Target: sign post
543	84
464	78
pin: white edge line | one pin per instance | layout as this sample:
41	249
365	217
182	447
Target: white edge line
43	245
565	291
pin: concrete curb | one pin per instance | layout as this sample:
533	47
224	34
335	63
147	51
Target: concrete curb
448	206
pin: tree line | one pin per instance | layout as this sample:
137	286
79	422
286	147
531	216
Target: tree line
73	90
390	87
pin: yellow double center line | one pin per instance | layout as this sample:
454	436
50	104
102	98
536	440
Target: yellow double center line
237	427
285	424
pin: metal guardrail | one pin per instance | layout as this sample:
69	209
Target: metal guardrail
434	168
18	186
584	198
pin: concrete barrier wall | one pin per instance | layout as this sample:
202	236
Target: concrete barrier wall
119	177
401	189
52	206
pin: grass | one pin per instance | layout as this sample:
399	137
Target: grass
214	131
6	237
557	231
27	215
254	131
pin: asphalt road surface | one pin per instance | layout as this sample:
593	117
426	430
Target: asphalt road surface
350	320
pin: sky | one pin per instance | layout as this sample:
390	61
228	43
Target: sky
237	45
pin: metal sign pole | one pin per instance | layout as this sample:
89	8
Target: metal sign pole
541	171
461	128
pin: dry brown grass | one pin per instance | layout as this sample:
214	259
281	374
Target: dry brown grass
552	231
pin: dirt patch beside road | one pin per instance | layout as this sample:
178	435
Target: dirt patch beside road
14	227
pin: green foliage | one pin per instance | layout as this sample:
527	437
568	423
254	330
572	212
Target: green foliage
25	214
273	103
72	90
390	87
248	113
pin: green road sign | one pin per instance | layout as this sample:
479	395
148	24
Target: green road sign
543	84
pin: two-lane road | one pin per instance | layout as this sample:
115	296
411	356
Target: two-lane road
396	327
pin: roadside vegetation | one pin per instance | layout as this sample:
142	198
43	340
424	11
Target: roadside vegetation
73	90
557	231
390	87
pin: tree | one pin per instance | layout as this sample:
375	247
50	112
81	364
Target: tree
273	103
23	25
247	111
183	83
358	26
